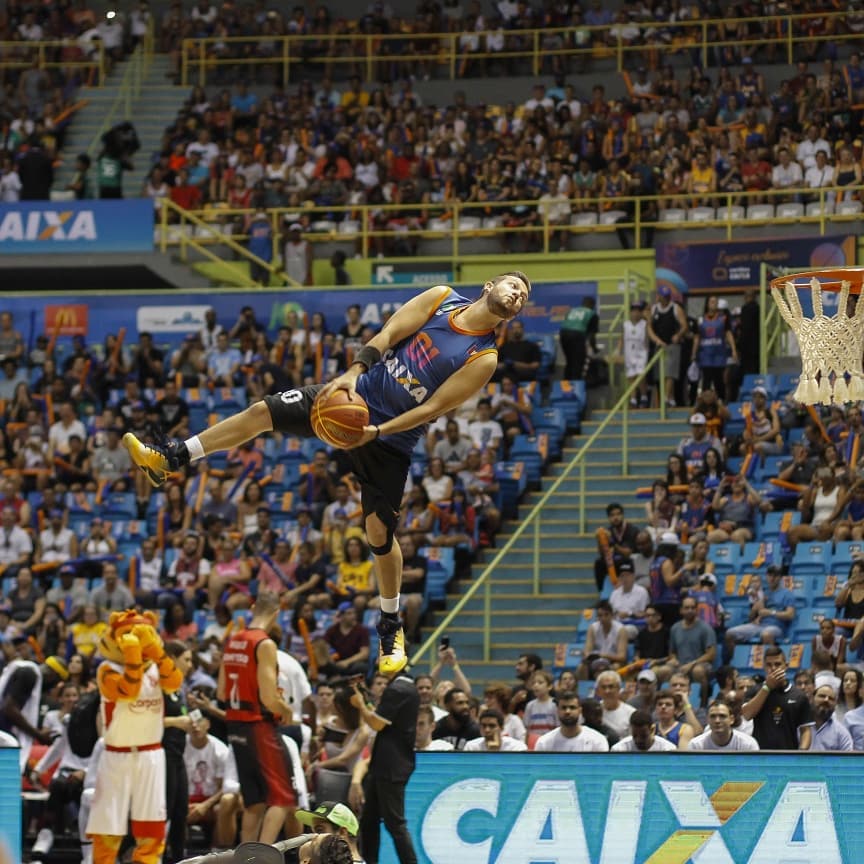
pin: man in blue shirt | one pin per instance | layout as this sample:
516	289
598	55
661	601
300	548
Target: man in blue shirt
770	615
829	734
223	363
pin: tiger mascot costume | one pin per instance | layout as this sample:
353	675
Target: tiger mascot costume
130	783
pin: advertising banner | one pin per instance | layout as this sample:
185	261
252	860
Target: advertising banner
67	320
640	808
169	317
10	805
734	264
59	227
412	274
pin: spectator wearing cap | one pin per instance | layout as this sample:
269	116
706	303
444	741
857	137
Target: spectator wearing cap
297	255
348	642
736	512
693	647
772	611
629	600
69	596
633	351
57	543
605	643
666	578
331	817
667	329
113	595
762	433
693	448
708	607
713	345
646	691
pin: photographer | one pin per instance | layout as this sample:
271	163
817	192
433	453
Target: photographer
392	763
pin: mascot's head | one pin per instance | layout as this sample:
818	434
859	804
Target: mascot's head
121	623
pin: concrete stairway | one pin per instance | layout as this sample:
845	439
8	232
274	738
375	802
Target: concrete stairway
154	109
522	622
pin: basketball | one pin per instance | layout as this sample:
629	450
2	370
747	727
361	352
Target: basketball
339	421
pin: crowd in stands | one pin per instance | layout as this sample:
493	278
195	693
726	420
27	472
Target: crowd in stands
678	134
39	93
83	534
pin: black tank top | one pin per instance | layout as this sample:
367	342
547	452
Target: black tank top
664	322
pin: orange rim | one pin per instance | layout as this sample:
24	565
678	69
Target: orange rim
829	279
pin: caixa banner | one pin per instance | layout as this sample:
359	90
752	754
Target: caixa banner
58	227
647	808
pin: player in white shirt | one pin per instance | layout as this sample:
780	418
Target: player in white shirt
214	789
492	738
425	727
642	738
571	736
633	350
720	736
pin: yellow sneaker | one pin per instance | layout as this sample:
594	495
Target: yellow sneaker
392	657
157	461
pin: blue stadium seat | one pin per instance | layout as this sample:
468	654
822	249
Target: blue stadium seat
724	557
512	481
568	655
529	449
120	505
787	383
751	380
770	467
806	624
570	397
845	552
824	590
772	522
810	559
769	551
229	399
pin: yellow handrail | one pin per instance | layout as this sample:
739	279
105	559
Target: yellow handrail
20	55
533	518
445	219
187	216
784	31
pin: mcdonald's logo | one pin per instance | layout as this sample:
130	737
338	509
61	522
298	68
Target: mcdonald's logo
68	320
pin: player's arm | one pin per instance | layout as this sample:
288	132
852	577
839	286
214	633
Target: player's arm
268	688
405	321
452	393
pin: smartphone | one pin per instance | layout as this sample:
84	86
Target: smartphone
195	715
445	643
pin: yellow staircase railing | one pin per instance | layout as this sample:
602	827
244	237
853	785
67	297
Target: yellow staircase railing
533	521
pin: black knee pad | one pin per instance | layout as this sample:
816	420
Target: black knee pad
387	545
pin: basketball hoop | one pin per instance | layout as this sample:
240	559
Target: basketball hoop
831	345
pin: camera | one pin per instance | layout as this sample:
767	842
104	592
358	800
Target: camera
444	644
121	141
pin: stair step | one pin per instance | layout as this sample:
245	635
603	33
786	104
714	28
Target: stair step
565	618
518	602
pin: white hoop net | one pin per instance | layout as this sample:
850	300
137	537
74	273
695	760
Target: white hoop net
831	345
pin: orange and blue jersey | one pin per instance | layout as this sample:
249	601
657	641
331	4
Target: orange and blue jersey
411	371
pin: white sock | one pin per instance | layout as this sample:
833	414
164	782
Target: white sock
195	448
390	605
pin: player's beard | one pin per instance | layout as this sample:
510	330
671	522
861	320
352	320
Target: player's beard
499	308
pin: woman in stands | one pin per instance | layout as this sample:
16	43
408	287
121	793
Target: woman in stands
713	468
852	500
230	573
850	598
247	509
178	625
438	485
79	671
660	512
417	518
850	696
697	564
830	641
355	576
820	505
175	516
847	173
736	511
342	743
26	601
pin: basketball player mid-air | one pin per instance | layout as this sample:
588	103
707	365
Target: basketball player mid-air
432	355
